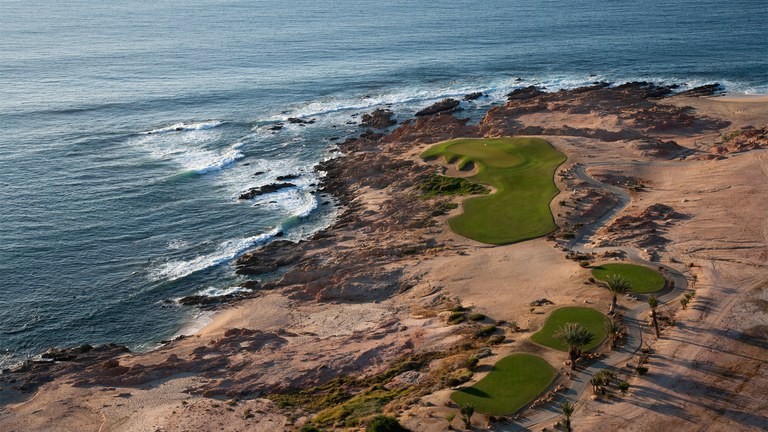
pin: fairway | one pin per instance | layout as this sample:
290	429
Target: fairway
522	172
642	279
593	320
512	383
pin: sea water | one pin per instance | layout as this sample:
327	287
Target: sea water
130	128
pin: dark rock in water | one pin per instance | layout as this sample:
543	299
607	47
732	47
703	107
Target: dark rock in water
705	90
378	119
518	79
529	92
258	173
473	96
287	177
266	189
276	127
295	120
438	107
333	138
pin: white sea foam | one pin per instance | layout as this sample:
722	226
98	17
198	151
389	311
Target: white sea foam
219	292
191	151
181	127
214	161
226	251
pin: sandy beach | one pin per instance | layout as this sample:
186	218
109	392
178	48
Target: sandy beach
376	288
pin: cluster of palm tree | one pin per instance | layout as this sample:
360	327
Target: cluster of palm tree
601	380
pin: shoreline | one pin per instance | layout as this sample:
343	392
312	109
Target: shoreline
375	285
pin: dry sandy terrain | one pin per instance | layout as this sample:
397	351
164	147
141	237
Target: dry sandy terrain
707	372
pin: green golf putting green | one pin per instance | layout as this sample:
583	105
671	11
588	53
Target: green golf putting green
642	279
522	172
513	382
591	319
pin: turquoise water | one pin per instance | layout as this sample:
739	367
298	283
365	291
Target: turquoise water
109	212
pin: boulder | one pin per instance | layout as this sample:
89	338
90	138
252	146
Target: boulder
378	119
445	105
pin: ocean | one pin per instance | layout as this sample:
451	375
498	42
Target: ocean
130	128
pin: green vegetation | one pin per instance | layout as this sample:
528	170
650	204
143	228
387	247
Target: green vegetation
521	170
642	279
383	423
512	383
476	317
440	185
360	406
591	319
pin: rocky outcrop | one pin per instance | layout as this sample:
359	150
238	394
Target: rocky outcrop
58	362
705	90
445	105
378	119
661	149
525	93
263	190
635	105
643	230
743	140
473	96
271	257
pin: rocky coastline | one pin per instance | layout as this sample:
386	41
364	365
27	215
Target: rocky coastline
383	229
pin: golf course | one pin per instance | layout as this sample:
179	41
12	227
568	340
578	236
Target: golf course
520	170
642	279
593	320
513	382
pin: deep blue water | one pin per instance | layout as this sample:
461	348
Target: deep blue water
107	211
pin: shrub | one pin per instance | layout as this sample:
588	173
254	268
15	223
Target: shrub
457	318
471	362
247	414
641	370
310	428
466	414
382	423
440	185
585	264
477	317
485	331
495	340
623	387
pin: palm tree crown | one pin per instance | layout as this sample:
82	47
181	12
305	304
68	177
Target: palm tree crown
616	284
575	336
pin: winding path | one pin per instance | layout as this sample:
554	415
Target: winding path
632	313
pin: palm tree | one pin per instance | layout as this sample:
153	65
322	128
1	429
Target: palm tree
653	302
615	330
466	414
616	285
567	408
576	337
449	417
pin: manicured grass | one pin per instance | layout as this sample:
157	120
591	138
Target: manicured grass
591	319
512	383
642	279
522	171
